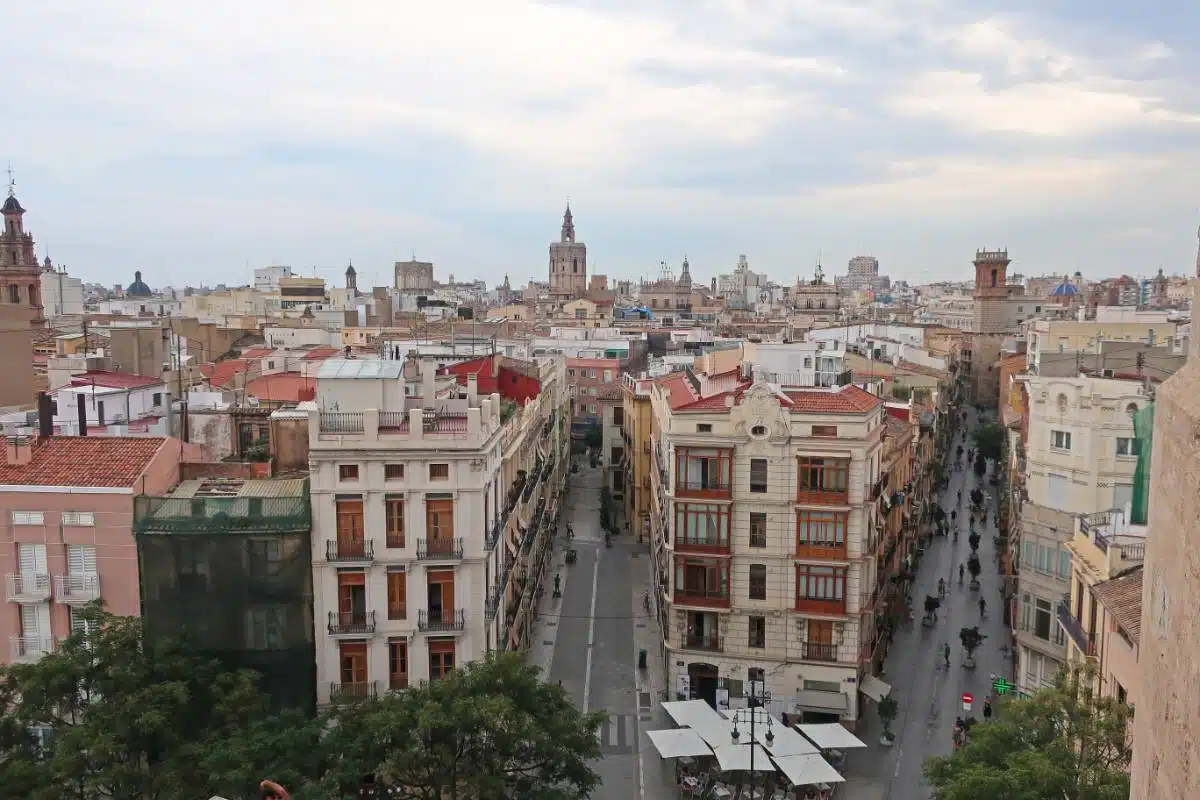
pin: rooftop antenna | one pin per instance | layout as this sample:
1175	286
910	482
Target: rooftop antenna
12	182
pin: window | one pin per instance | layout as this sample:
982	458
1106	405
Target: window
758	632
1064	564
1045	560
1131	410
441	658
1122	495
1128	447
702	580
759	430
350	527
79	623
397	594
824	530
701	526
398	664
822	476
264	629
571	373
821	588
1062	398
703	427
393	472
439	472
352	657
1026	612
1057	487
85	519
1122	695
265	559
698	470
618	415
829	431
758	529
1060	440
348	472
615	454
28	518
758	582
1042	620
439	518
393	508
758	475
156	399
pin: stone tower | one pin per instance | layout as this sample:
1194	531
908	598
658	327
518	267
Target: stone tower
20	273
990	323
1166	730
351	280
568	262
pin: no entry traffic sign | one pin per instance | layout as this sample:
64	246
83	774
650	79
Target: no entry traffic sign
967	700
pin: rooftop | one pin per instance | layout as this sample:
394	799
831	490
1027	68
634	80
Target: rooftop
84	461
360	369
1122	598
114	380
240	487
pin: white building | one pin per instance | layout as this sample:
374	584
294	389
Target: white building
415	481
266	279
62	295
763	535
121	404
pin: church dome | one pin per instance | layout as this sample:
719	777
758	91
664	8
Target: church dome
138	288
1065	289
12	205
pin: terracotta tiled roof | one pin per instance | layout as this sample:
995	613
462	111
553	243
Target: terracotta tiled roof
220	374
282	387
257	352
114	380
84	461
1122	599
850	400
320	354
921	369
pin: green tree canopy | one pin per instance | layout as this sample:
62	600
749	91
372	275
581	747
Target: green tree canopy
989	440
1061	744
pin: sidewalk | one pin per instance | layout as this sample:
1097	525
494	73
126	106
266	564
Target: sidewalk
657	776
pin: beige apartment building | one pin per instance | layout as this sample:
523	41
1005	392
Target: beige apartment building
432	510
1081	455
764	531
1102	614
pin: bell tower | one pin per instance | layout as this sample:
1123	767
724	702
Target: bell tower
20	273
991	273
568	262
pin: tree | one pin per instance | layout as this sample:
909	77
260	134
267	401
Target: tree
974	568
971	638
1061	744
973	540
114	715
887	709
989	440
593	437
489	729
980	464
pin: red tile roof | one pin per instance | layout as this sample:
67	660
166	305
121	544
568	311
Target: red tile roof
1122	598
220	374
110	461
257	352
283	387
114	380
320	354
850	400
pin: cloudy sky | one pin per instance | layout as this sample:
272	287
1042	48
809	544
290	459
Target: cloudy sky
195	140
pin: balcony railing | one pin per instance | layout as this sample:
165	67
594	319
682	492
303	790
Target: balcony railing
704	488
439	549
28	587
818	651
77	587
446	619
823	497
351	623
353	692
836	608
221	514
707	598
1074	629
341	422
714	545
344	550
826	551
25	649
701	641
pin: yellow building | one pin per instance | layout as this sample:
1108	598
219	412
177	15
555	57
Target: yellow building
635	430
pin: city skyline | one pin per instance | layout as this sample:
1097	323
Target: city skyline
191	146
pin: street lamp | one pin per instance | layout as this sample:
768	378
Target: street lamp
757	692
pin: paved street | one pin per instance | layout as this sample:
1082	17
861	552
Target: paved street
929	694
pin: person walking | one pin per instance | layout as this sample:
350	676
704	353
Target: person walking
960	568
987	708
982	607
946	653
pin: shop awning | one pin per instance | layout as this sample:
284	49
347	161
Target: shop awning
829	702
874	688
738	757
831	736
808	770
702	718
678	743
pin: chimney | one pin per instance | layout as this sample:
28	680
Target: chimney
20	451
82	406
45	407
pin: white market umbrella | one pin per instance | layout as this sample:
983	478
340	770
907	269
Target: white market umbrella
737	758
831	736
808	770
679	743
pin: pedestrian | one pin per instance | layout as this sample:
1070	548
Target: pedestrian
987	708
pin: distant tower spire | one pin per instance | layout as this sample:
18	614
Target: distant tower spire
12	183
351	277
568	226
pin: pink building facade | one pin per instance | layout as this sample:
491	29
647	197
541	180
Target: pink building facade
66	516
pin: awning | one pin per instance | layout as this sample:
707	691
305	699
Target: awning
678	743
788	743
808	770
835	702
702	718
874	688
831	736
738	757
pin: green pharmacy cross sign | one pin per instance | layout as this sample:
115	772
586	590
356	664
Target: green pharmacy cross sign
1001	685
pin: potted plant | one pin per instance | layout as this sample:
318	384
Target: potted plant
971	638
974	568
931	607
888	708
973	541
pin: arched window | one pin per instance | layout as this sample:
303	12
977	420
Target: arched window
1062	404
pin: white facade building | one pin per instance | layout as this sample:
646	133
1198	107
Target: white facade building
62	295
266	279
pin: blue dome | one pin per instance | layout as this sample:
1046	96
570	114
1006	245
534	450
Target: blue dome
1065	289
138	288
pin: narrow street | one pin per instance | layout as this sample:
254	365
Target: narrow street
929	694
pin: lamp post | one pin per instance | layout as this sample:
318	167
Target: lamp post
757	693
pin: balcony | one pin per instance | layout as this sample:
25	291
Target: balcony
27	649
704	598
823	497
345	551
1074	629
710	642
442	620
831	608
28	587
351	623
715	489
821	551
77	588
714	546
439	549
818	651
353	692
